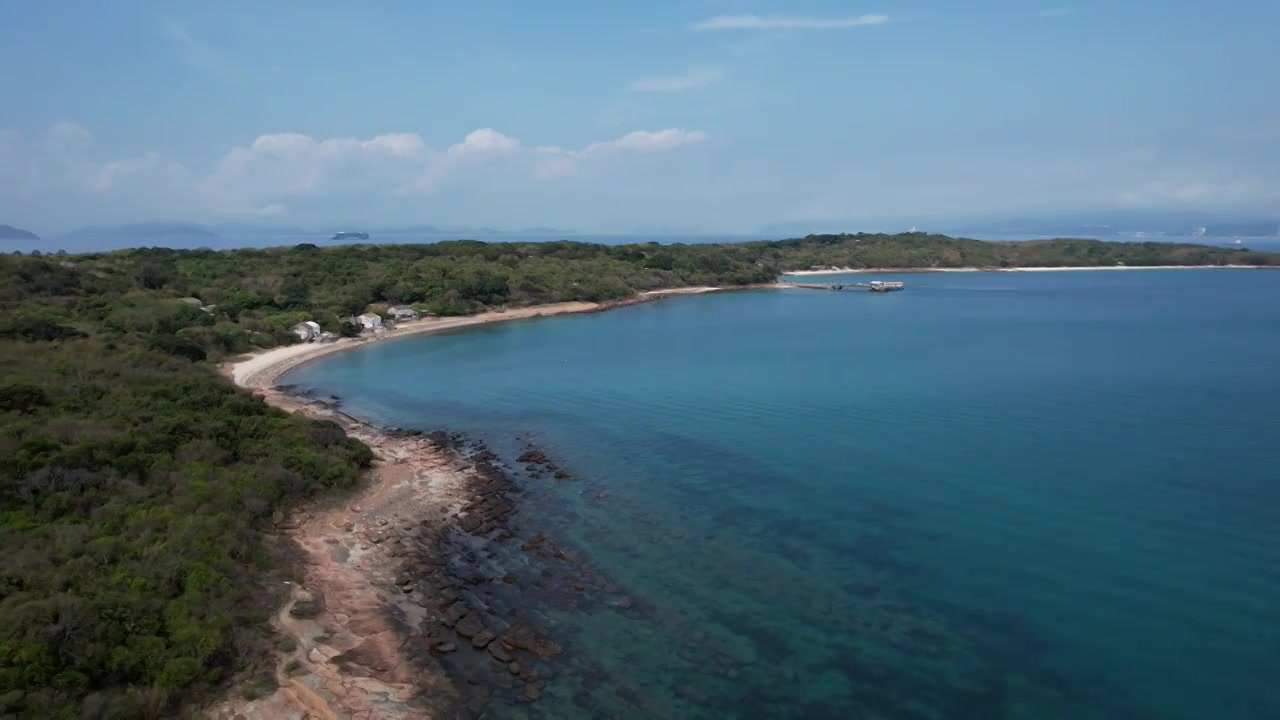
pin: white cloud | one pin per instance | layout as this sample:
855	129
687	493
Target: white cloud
1056	12
689	79
282	173
645	141
555	167
280	165
486	141
785	22
557	163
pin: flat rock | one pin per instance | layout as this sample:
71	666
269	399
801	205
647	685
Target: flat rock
470	626
527	638
456	612
500	653
483	639
365	656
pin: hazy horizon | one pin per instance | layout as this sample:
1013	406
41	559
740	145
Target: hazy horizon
710	117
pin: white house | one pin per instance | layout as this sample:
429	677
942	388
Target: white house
403	313
369	321
306	331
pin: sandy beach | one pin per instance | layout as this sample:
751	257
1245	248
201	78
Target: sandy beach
863	271
260	370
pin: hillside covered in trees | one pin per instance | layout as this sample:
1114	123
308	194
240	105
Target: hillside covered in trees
136	482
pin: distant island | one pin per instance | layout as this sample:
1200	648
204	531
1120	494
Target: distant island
144	231
347	235
9	232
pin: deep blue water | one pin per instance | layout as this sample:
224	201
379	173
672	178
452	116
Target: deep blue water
993	495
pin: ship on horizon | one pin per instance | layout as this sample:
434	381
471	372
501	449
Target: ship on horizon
350	235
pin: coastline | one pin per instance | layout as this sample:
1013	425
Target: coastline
414	588
397	613
260	370
864	271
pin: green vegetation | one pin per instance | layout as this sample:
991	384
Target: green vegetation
136	482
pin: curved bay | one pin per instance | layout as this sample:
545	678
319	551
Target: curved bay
1014	495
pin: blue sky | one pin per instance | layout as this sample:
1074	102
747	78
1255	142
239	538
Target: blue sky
698	116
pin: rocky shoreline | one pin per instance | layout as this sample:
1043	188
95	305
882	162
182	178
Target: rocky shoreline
477	574
420	594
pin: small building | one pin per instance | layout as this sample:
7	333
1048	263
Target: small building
306	331
369	321
403	313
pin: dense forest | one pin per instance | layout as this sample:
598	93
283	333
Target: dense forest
136	484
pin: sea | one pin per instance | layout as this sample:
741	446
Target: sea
1030	495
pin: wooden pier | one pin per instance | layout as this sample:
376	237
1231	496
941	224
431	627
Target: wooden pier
873	286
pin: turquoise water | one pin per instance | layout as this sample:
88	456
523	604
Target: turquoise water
993	495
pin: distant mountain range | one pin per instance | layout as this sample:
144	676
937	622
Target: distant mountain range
9	232
143	230
233	230
98	238
1107	225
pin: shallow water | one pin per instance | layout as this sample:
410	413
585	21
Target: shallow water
993	495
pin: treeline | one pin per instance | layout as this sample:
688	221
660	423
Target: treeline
258	294
136	483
